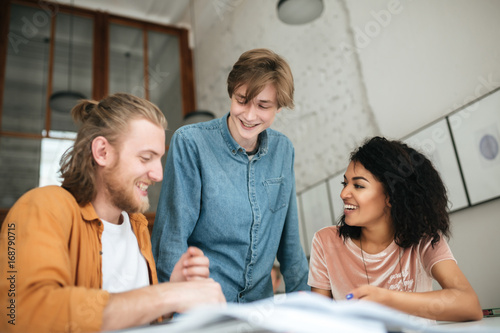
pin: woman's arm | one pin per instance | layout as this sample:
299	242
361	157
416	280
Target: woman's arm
457	301
324	292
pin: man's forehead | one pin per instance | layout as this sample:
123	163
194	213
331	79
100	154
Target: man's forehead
144	133
268	89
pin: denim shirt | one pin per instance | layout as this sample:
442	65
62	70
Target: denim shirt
241	213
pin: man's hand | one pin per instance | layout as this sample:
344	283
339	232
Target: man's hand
192	265
196	293
143	305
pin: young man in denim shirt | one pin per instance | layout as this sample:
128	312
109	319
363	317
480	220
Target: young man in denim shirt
229	188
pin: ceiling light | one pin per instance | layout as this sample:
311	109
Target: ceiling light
198	116
299	11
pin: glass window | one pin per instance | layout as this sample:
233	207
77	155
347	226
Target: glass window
50	156
72	65
126	60
127	63
164	78
27	71
19	163
34	133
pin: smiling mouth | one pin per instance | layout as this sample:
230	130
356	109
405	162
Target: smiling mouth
248	125
143	187
350	207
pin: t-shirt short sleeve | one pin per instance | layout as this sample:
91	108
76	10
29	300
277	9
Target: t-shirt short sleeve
318	269
431	255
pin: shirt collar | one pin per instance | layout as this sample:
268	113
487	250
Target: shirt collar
88	212
233	146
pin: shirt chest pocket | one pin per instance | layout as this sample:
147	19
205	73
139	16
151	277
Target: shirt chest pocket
277	193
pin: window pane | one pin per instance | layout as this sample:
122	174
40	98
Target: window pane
19	163
126	60
165	78
72	66
154	191
27	70
52	151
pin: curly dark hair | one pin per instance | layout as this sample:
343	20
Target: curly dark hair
416	192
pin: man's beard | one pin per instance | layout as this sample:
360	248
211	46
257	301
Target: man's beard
121	195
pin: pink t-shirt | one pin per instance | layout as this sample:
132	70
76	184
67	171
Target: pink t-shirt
338	266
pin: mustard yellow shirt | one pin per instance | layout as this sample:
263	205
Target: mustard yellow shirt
50	257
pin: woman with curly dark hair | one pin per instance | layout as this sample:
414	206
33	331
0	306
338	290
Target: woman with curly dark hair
389	243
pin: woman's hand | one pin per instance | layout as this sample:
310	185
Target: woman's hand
371	293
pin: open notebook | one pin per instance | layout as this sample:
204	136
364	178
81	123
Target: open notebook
301	312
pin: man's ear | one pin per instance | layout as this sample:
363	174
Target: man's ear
102	151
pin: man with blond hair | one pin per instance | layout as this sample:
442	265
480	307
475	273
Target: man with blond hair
79	255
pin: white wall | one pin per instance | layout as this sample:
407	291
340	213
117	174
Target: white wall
423	59
475	245
364	68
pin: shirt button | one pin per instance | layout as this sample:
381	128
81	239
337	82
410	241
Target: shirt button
100	252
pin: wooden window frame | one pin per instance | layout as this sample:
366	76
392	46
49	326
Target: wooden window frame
100	61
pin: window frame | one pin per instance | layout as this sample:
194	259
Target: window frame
100	61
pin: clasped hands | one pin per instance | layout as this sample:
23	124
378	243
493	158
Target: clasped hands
192	265
192	273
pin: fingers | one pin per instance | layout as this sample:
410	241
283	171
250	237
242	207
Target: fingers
192	265
219	296
188	261
370	293
214	292
358	293
195	265
196	273
194	251
205	291
182	296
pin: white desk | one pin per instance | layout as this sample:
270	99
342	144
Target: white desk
486	325
490	322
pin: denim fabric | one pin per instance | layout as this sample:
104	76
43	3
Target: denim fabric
241	213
